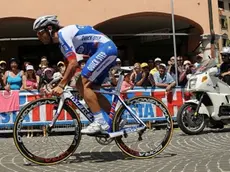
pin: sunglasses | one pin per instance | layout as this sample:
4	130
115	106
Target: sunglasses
41	31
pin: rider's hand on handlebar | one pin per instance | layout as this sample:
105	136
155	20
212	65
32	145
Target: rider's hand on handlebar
57	91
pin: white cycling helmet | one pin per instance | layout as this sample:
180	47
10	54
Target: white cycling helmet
225	50
45	21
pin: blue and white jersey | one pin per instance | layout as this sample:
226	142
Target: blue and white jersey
81	40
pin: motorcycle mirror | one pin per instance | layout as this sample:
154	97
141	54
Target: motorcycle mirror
189	76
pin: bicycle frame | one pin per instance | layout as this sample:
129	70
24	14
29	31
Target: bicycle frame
67	95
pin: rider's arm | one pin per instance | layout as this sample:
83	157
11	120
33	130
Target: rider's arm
69	73
72	58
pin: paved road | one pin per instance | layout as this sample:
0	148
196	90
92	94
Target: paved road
207	152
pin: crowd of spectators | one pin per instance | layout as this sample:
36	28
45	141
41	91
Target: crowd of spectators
154	73
13	78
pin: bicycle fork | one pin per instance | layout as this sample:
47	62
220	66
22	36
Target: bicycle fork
57	113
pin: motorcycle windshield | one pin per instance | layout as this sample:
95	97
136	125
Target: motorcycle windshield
207	64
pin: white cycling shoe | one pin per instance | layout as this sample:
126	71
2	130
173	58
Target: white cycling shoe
96	127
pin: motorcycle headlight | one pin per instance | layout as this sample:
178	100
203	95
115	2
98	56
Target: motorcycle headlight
204	78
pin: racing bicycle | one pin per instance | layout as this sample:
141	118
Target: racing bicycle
132	128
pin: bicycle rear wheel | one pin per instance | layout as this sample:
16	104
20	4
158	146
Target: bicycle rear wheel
47	147
150	141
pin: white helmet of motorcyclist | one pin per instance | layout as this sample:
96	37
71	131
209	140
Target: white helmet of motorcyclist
225	51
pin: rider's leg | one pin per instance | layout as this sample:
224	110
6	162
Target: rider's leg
102	100
89	96
95	71
101	118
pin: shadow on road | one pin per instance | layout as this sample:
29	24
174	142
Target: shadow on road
109	156
101	157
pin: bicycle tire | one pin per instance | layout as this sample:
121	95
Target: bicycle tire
43	160
143	155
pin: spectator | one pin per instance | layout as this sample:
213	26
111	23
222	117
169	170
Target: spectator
45	73
151	64
157	62
171	68
3	66
26	63
187	69
118	63
163	79
171	61
2	71
113	74
199	59
30	80
143	79
13	77
54	67
137	73
180	64
60	70
44	65
127	84
171	65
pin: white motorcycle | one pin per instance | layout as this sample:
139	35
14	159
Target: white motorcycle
210	105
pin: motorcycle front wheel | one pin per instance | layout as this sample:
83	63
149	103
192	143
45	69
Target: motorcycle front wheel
188	122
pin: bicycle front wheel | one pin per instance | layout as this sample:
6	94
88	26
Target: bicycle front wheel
45	146
151	141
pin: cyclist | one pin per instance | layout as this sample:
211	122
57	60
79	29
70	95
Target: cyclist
76	43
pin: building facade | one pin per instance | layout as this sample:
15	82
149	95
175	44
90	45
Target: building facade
120	20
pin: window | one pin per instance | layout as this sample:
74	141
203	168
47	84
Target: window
224	22
221	4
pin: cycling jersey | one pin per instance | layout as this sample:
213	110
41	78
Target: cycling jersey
75	40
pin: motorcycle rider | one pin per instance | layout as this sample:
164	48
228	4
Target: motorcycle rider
225	66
